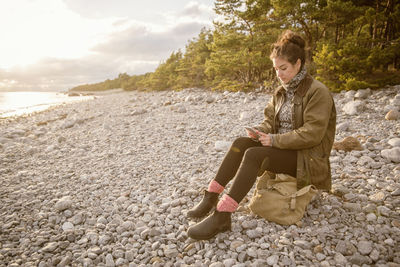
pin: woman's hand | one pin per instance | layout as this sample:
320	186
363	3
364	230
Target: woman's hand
252	135
264	138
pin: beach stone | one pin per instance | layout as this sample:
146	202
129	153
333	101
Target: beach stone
374	255
222	145
384	211
348	144
245	116
50	247
349	95
392	115
272	260
364	247
181	110
339	190
138	112
353	107
320	257
65	261
63	203
392	154
128	225
235	244
110	260
345	247
365	160
340	259
129	255
104	240
217	264
120	262
254	233
395	102
358	259
371	217
394	142
210	99
68	124
302	244
171	252
378	197
260	263
342	127
67	226
355	207
363	93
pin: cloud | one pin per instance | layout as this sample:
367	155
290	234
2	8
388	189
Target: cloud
141	43
129	46
61	74
197	10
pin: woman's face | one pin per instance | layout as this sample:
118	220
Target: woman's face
285	70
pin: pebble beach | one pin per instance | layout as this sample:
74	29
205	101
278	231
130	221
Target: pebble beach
108	181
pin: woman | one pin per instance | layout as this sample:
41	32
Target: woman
295	138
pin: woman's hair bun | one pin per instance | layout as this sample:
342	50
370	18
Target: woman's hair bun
294	38
290	46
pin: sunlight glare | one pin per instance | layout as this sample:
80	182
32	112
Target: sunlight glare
32	30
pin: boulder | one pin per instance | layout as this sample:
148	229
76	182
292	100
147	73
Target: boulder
394	142
363	93
63	203
353	107
222	145
349	143
395	102
392	154
342	127
392	115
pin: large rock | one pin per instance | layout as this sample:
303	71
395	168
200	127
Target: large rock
392	115
244	116
394	142
395	102
364	247
345	247
222	145
363	93
349	95
349	143
63	203
342	127
353	107
392	154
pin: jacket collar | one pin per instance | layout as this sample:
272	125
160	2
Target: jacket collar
301	89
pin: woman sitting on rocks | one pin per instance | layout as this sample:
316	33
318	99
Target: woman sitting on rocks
295	138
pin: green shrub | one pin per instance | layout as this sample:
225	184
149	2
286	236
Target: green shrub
353	84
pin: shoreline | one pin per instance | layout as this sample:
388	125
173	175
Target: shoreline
108	182
41	102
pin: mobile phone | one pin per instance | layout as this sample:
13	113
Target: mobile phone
252	130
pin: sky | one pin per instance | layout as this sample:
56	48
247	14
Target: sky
54	45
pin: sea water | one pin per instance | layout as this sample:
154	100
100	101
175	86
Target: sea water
22	103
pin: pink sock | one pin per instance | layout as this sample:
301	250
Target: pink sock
215	187
227	204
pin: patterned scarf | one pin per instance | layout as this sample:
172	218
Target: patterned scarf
295	81
285	114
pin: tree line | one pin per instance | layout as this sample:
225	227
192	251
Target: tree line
352	44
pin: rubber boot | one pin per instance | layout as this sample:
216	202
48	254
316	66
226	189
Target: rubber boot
217	222
209	201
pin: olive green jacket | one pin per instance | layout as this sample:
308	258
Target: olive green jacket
314	118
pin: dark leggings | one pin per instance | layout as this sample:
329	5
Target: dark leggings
244	160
